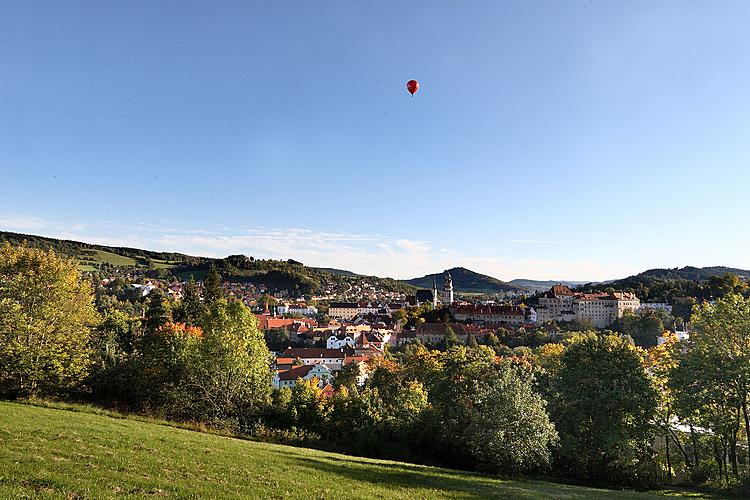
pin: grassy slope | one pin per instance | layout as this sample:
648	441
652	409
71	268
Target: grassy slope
46	452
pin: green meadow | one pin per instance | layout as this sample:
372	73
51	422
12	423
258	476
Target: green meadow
48	452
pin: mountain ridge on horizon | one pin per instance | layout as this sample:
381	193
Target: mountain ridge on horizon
464	280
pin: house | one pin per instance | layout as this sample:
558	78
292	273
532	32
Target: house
332	358
337	341
433	333
494	314
298	309
289	377
327	391
267	322
343	310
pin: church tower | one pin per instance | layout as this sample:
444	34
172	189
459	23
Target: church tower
447	289
435	296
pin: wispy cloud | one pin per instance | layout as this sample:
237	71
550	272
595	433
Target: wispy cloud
535	242
380	255
21	222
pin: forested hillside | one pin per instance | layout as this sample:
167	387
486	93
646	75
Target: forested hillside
277	275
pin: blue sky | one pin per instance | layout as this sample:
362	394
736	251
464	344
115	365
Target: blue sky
550	140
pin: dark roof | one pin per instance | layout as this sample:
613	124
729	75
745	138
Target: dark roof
296	372
314	352
345	305
424	295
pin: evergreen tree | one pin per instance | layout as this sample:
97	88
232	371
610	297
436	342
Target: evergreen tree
159	312
192	307
212	290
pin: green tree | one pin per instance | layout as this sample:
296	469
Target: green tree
712	379
347	376
602	406
510	431
46	315
192	306
158	312
450	339
229	376
212	289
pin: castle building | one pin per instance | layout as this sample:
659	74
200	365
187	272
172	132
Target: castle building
561	303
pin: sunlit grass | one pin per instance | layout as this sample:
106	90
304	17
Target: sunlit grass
87	452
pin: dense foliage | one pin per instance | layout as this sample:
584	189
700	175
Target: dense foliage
46	315
590	406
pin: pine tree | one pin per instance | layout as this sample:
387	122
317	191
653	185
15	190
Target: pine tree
192	307
212	290
158	312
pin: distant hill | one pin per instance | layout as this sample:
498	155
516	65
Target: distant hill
670	285
339	272
278	275
542	285
466	280
695	273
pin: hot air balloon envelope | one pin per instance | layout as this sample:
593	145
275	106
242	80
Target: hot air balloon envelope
412	86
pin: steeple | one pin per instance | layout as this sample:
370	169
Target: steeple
447	289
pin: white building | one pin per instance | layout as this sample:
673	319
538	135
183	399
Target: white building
339	341
655	306
332	358
289	377
300	309
560	303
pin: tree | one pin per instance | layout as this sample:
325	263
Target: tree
347	376
229	375
450	339
212	289
510	430
712	380
602	406
159	311
192	306
46	315
644	329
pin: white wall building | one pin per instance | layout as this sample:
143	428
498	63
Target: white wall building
289	377
560	303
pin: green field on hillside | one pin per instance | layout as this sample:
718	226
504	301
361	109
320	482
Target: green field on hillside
88	257
57	453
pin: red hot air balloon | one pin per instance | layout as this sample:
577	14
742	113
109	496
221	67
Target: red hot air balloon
412	86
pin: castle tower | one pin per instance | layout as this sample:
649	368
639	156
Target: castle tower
434	293
447	289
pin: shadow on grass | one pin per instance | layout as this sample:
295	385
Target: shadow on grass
426	479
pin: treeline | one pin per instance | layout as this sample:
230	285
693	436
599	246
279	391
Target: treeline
673	289
594	407
75	248
278	275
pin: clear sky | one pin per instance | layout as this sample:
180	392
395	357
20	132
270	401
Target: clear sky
550	140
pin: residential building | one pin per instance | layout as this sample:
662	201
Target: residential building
655	306
492	314
343	310
289	377
340	340
332	358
